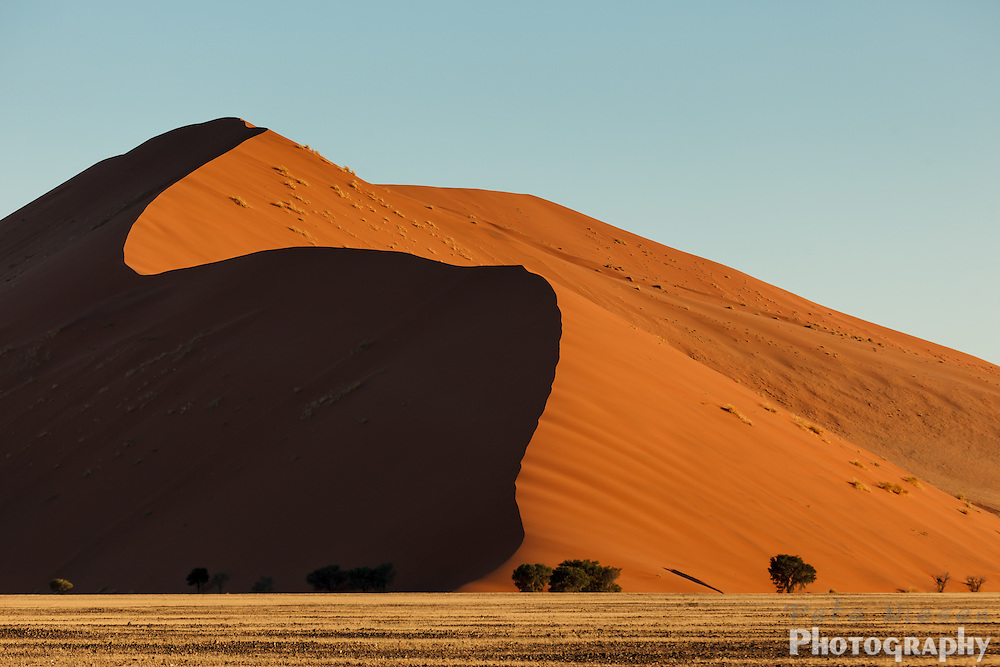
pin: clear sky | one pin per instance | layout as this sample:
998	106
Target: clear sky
848	151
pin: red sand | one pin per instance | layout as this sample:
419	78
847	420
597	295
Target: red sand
634	461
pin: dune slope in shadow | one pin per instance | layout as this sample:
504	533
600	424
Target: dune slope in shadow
640	458
266	415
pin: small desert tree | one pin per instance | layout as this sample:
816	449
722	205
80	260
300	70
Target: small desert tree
197	577
975	583
366	579
219	580
941	580
60	586
789	573
532	578
328	578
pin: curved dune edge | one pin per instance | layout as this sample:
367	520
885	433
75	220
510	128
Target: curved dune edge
272	413
634	462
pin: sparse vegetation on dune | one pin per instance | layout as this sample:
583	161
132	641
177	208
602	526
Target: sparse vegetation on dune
807	426
893	488
731	409
859	485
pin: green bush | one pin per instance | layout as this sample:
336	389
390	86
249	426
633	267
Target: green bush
60	586
584	576
532	578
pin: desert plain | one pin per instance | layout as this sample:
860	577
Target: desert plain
512	629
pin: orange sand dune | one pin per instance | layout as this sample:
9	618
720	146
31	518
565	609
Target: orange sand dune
699	420
266	415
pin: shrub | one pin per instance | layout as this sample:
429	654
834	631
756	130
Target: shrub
60	586
732	409
859	485
974	583
585	576
240	202
197	577
368	579
940	581
532	578
790	572
892	487
806	426
328	578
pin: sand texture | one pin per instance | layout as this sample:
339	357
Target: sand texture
698	420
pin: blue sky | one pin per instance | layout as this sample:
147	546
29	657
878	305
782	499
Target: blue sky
846	151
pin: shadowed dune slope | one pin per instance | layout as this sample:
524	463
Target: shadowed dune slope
699	420
268	414
635	460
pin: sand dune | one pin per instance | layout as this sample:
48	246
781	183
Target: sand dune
699	420
268	415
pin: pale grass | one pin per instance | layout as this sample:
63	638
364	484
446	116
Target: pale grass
807	426
301	232
492	629
288	206
859	485
731	409
892	487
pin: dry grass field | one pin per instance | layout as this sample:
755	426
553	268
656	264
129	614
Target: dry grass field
464	629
